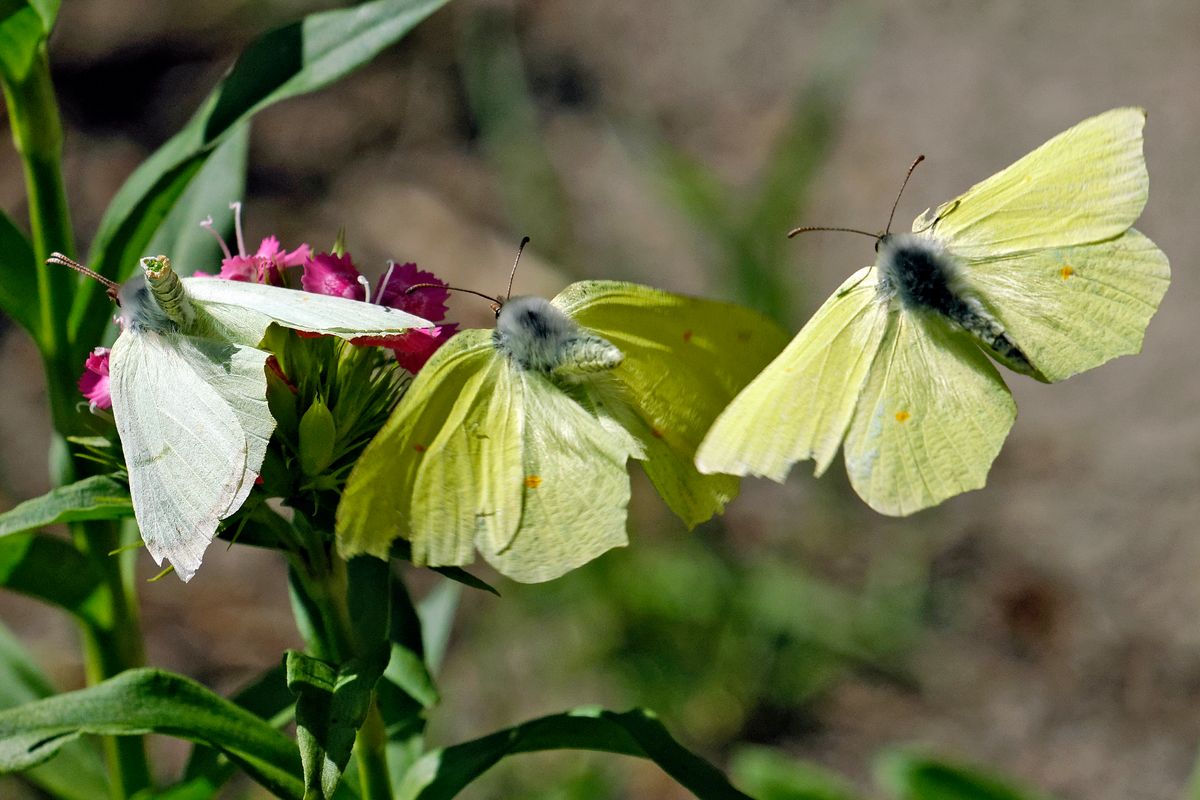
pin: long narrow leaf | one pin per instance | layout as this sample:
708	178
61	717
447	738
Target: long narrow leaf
289	61
144	701
441	774
98	497
24	25
52	570
18	275
76	773
221	181
911	775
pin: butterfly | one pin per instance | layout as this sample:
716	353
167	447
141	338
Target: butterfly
1036	267
514	441
189	392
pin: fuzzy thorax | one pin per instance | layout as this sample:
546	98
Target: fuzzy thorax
538	336
919	273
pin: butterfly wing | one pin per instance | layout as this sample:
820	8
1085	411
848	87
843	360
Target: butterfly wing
193	419
1085	185
377	505
1049	249
930	420
800	406
684	360
240	312
573	485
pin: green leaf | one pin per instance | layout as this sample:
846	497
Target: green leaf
402	549
331	705
911	775
24	25
144	701
76	773
441	774
295	59
52	570
266	697
98	497
770	775
220	182
18	275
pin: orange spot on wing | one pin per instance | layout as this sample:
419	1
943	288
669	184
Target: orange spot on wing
420	448
656	433
687	336
902	416
533	481
1066	271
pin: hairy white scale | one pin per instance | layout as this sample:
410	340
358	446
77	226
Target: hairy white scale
538	336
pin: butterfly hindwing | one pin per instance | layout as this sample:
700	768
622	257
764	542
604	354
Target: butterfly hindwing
800	406
930	419
573	485
1073	308
684	360
193	420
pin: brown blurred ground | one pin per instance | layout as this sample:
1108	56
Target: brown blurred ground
1068	653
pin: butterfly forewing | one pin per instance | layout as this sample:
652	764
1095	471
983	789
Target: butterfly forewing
377	505
1087	184
800	406
241	311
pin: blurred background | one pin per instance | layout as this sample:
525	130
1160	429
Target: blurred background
1047	626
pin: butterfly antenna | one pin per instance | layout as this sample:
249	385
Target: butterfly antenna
495	300
907	175
512	275
63	261
809	229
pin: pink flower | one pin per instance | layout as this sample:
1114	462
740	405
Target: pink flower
326	273
94	380
267	265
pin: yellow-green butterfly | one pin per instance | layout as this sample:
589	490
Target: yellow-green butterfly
189	392
513	441
1037	266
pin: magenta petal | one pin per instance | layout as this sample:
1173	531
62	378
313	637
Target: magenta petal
415	346
428	303
241	268
93	383
326	273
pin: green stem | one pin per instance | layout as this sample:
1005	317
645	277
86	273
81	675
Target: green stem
370	751
332	635
38	137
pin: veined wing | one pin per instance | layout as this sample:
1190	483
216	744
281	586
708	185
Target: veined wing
1087	184
377	504
241	311
931	419
800	406
193	419
574	486
1073	308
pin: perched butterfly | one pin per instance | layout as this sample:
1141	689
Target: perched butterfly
1037	266
189	392
514	441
